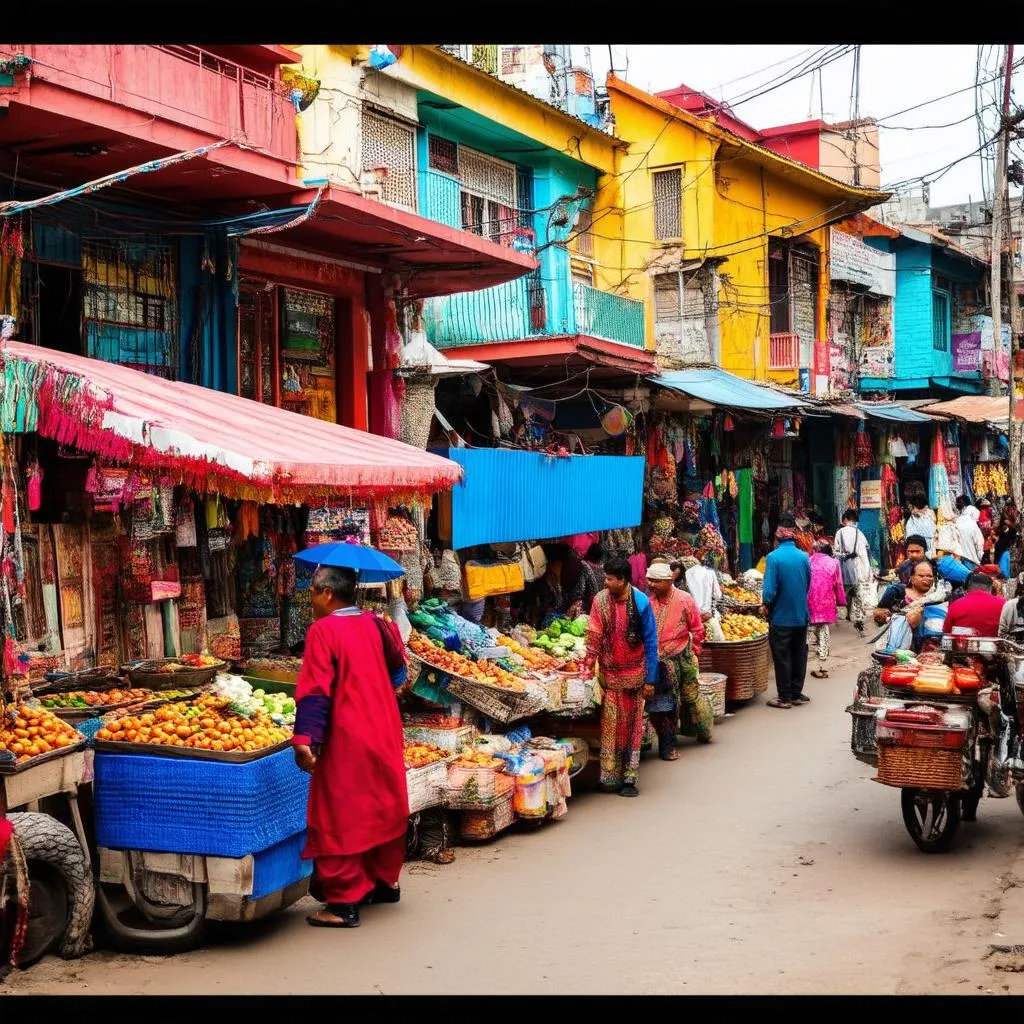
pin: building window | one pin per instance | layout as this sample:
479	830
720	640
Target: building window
940	322
686	315
581	241
668	204
488	196
444	155
389	150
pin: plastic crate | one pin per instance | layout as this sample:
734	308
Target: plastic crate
280	866
212	808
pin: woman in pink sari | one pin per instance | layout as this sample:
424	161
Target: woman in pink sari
825	596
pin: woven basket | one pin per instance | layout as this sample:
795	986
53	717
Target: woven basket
447	739
745	663
146	675
920	767
426	785
712	685
500	705
729	604
487	823
96	680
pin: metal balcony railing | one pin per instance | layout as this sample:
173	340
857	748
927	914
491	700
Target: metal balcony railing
784	351
184	85
520	310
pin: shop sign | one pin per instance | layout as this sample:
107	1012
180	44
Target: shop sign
854	261
967	352
871	494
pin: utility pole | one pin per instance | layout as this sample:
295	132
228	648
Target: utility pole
1000	203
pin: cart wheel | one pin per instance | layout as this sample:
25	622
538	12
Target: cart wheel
932	817
127	930
61	894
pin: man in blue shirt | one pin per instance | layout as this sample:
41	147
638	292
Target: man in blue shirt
787	581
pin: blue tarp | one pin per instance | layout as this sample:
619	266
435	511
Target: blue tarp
893	412
717	387
515	495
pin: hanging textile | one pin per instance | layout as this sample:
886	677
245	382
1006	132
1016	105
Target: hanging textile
938	479
745	525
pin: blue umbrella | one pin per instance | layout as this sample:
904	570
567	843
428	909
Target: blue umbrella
372	566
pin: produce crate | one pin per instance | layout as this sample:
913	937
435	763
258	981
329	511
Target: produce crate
426	785
487	822
201	807
500	705
60	771
470	789
447	739
744	663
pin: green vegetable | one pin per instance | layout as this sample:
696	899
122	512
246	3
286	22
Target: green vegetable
555	629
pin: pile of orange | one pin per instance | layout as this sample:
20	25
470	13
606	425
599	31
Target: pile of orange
28	732
419	755
206	724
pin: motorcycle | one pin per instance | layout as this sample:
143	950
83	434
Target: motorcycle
940	732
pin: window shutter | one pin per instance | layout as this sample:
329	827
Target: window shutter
389	144
668	204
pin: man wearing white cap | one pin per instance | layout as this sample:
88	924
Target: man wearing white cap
677	695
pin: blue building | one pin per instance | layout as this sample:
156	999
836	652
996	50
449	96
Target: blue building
940	318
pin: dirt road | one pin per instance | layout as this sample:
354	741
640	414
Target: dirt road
765	863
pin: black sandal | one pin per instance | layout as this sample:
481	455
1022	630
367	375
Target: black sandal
347	914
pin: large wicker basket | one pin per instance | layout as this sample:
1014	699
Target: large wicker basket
920	767
744	663
147	675
499	705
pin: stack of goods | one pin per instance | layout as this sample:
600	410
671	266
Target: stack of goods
733	594
922	747
426	775
27	732
738	628
934	680
533	658
399	535
208	724
448	732
485	673
478	786
565	640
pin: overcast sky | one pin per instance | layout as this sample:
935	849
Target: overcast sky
892	78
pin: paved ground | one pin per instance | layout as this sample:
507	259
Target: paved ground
765	863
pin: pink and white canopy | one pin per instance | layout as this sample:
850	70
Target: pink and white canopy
210	440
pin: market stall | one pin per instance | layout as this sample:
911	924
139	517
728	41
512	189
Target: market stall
148	532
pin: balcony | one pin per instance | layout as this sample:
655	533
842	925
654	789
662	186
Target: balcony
519	311
784	351
184	85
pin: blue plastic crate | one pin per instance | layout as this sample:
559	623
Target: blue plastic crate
280	866
214	808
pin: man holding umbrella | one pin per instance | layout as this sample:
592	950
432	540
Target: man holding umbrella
348	735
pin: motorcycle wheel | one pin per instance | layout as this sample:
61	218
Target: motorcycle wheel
932	817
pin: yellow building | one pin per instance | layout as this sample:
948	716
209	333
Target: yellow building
726	242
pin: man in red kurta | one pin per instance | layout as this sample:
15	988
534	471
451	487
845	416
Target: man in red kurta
348	735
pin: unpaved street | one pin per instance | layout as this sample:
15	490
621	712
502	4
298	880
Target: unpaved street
766	863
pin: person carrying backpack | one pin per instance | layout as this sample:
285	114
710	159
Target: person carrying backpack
851	548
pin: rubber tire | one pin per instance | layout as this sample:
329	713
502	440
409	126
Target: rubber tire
56	861
943	842
1020	796
114	938
47	912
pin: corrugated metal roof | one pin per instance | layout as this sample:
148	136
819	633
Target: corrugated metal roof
973	409
719	387
515	495
893	412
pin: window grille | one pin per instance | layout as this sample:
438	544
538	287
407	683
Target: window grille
390	145
668	204
444	155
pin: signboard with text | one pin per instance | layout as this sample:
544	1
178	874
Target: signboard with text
854	261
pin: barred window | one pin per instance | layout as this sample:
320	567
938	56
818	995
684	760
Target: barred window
390	146
444	155
668	204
